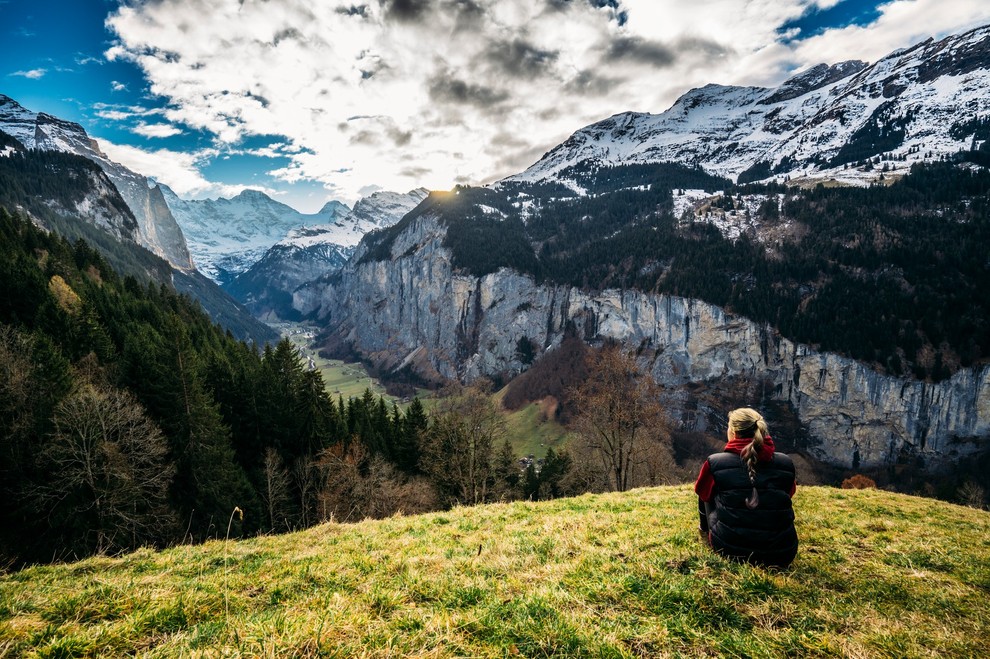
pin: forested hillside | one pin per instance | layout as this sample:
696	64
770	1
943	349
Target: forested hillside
71	195
129	418
892	275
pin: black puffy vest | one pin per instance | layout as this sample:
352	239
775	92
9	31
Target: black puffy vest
764	535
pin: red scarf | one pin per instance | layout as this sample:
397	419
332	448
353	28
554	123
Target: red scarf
764	454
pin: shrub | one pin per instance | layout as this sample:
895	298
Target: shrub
859	482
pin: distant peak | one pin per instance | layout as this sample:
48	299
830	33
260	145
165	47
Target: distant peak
249	193
334	207
811	79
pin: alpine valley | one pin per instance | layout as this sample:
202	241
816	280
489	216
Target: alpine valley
822	244
818	249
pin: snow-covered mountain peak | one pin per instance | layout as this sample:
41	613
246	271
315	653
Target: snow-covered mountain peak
376	211
385	208
811	79
313	251
333	209
227	236
919	103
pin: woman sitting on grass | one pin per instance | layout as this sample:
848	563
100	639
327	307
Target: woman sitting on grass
744	495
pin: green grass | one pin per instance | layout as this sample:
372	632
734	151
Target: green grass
615	575
531	432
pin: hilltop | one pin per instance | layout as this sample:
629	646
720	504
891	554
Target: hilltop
610	575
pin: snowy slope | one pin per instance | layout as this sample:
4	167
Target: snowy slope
157	229
376	211
226	236
916	103
310	252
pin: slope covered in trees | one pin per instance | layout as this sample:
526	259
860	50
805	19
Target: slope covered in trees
129	418
894	276
53	186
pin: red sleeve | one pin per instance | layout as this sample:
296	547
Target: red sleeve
705	485
793	488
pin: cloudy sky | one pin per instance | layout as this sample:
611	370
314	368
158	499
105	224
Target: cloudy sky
311	100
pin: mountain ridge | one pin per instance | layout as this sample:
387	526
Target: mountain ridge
729	130
158	230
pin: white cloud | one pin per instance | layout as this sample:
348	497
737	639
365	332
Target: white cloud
114	115
118	86
434	92
33	74
156	130
179	171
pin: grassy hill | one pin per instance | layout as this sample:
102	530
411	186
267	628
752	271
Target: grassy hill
615	575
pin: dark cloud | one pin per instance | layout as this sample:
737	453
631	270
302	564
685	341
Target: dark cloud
366	137
374	130
443	89
506	139
470	15
706	47
415	172
406	11
354	10
642	51
519	159
589	83
399	137
520	59
288	33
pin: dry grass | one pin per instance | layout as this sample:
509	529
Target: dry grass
617	575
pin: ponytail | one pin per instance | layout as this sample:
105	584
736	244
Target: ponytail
741	423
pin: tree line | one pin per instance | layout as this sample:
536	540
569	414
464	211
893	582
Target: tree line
127	418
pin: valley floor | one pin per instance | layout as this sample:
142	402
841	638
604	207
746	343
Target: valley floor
613	575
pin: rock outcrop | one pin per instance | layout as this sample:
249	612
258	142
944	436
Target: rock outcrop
414	310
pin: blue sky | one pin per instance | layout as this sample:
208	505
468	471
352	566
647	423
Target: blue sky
317	100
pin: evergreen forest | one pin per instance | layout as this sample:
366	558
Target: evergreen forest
128	418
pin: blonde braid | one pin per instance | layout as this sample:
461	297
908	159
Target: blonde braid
746	422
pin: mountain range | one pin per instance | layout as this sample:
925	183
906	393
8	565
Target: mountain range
308	253
796	240
921	102
635	230
226	236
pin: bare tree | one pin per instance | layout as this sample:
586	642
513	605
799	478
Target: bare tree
459	448
621	423
350	493
110	469
276	492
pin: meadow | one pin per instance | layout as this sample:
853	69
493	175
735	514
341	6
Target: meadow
608	575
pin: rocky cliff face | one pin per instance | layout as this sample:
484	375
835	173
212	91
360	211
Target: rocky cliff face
415	310
157	228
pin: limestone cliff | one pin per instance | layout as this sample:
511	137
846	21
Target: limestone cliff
415	310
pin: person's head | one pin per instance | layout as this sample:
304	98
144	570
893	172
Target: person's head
747	423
